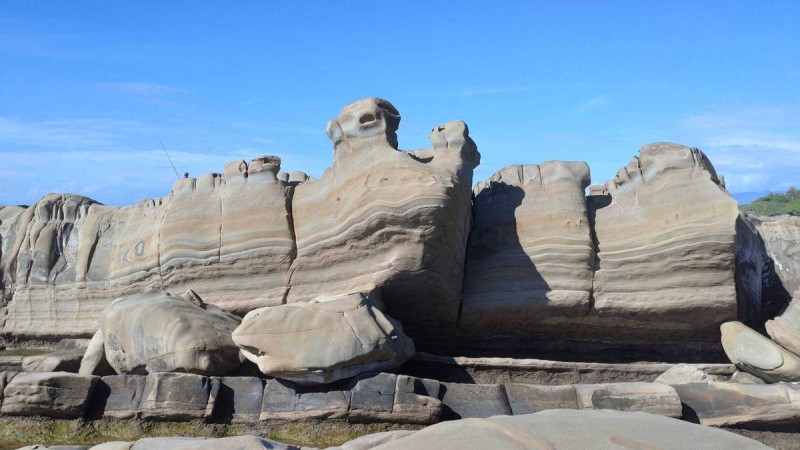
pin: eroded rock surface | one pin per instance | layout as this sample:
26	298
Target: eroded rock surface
324	340
757	355
530	257
160	332
785	328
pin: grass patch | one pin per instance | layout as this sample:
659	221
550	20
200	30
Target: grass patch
775	204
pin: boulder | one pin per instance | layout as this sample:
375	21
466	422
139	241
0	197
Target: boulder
94	360
178	396
53	394
756	406
377	217
746	378
530	258
666	238
372	396
682	374
327	339
160	332
757	355
5	378
118	396
416	400
239	399
785	328
571	429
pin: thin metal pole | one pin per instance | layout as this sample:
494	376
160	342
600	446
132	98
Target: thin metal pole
170	159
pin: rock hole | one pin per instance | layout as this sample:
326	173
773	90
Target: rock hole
366	118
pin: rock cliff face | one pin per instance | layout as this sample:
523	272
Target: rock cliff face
648	257
380	217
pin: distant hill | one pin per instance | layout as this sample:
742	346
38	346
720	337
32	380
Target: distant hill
775	204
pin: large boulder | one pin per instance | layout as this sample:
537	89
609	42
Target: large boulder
161	332
785	328
599	429
666	236
53	394
327	339
530	257
386	218
757	355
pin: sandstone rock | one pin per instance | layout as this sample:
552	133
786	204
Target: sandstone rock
742	405
785	329
159	332
118	396
652	398
530	258
666	243
282	401
325	340
571	429
531	398
682	374
463	401
178	396
56	394
228	443
94	360
757	355
781	235
59	361
239	399
379	215
373	440
5	378
372	396
416	400
746	378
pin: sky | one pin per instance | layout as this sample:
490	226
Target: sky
88	88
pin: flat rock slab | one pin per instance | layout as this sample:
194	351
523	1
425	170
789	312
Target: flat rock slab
463	401
651	398
53	394
742	405
755	354
571	429
239	399
283	401
178	396
531	398
118	396
228	443
58	361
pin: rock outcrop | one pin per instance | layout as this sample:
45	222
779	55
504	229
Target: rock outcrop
781	236
386	218
785	328
530	256
324	340
159	332
757	355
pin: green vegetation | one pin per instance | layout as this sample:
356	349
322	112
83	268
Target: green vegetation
775	204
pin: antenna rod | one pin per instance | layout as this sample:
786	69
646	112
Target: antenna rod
170	159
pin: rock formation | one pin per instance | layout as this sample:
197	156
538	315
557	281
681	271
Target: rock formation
756	354
386	218
324	340
531	255
159	332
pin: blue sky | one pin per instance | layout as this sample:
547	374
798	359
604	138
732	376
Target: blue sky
86	86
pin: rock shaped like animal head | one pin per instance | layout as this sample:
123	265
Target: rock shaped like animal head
364	121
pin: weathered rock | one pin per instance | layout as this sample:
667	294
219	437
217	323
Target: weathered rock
757	355
239	399
721	404
72	344
785	329
94	360
571	429
58	361
372	396
463	401
379	215
282	401
652	398
416	400
530	258
56	394
159	332
666	241
531	398
373	440
178	396
118	396
228	443
5	378
682	374
746	378
325	340
781	235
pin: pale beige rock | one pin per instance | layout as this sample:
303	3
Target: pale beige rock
325	340
571	429
781	235
530	257
785	329
757	355
666	243
386	218
52	394
159	332
653	398
682	374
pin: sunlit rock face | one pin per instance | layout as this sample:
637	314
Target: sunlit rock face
229	236
386	218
